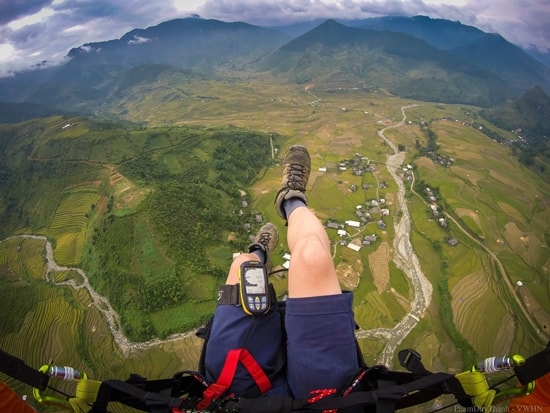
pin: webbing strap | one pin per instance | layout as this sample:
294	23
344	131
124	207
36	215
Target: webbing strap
214	391
534	367
16	368
386	398
130	395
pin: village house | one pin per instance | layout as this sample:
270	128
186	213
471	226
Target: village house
354	224
369	239
354	247
343	233
332	224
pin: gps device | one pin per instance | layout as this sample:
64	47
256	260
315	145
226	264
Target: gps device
254	291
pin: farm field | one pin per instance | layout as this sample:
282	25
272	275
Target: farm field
495	209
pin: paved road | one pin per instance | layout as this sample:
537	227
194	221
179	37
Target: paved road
405	258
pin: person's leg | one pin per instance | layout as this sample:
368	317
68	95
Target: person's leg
321	347
311	272
232	328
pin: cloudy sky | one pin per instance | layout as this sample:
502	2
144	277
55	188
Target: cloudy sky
41	32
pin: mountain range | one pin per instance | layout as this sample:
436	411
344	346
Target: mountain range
419	58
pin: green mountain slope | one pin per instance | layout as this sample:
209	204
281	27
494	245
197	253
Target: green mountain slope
441	33
529	117
485	51
185	43
95	69
333	54
339	56
493	53
137	208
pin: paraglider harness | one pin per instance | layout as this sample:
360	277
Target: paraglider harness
373	389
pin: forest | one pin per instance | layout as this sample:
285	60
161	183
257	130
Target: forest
152	254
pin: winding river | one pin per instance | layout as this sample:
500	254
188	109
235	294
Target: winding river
405	259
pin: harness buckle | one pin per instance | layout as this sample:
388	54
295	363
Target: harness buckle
411	360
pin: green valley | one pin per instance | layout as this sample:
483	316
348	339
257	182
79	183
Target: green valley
151	208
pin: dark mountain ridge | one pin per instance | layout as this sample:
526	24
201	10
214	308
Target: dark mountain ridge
405	65
440	33
94	69
529	118
493	53
330	54
485	51
185	43
332	34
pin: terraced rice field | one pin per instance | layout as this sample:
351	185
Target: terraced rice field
69	223
480	317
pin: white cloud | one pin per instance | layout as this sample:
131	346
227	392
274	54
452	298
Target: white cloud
187	5
7	52
89	49
139	40
75	28
35	18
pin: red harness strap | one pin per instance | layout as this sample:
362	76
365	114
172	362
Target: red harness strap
227	374
316	395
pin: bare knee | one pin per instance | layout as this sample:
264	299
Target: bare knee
311	252
312	270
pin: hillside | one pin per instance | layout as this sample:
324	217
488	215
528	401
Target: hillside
335	55
19	112
142	204
420	58
493	53
190	43
93	70
440	33
529	117
484	51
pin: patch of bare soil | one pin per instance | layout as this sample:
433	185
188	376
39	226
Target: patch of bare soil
378	262
425	162
541	317
8	274
101	204
462	212
349	274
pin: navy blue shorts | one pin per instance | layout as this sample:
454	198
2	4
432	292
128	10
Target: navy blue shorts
320	346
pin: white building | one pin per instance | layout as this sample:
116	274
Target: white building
354	247
355	224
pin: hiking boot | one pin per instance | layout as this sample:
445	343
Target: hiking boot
296	169
266	240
